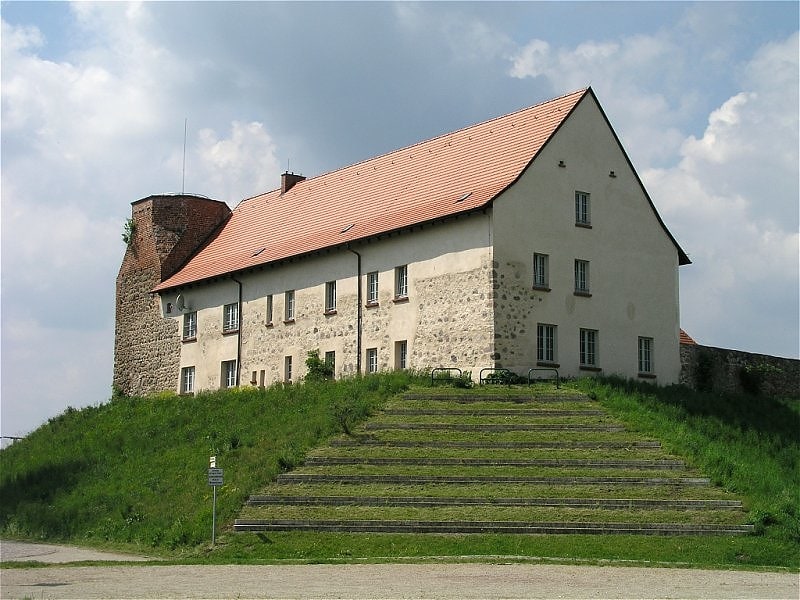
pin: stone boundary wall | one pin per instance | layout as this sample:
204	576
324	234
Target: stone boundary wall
706	368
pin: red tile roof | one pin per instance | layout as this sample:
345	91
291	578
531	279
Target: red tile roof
687	339
454	173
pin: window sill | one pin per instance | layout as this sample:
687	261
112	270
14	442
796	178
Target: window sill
400	299
371	305
590	368
329	312
582	293
549	365
584	225
541	288
269	324
288	321
189	340
230	331
647	375
191	393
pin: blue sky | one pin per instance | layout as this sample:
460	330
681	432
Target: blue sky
704	97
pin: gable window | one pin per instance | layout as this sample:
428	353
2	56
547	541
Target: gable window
582	277
330	297
372	287
582	209
287	369
401	354
189	326
588	348
288	306
372	360
269	309
230	317
187	380
229	373
541	275
401	282
546	343
645	356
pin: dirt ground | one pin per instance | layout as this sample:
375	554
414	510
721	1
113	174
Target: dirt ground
463	581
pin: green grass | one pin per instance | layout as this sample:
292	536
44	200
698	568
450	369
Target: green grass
133	471
131	474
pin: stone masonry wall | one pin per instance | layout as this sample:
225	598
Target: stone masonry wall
720	370
168	229
447	321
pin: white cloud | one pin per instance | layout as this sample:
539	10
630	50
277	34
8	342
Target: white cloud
732	201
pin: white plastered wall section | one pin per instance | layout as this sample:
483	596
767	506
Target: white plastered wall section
446	320
633	264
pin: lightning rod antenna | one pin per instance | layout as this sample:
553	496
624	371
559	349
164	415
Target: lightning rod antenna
183	171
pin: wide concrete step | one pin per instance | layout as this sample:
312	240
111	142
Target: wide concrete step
491	412
510	527
561	445
497	462
494	427
433	501
287	478
514	399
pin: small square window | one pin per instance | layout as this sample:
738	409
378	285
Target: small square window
541	275
401	354
330	297
582	209
230	317
588	348
288	309
582	276
372	287
645	355
546	343
401	282
372	360
229	374
187	380
190	325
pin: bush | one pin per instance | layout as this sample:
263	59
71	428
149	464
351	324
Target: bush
318	369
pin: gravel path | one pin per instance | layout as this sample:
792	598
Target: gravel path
441	581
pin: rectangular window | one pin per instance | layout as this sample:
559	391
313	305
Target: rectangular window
582	212
190	326
187	380
269	309
546	343
401	354
541	277
288	309
372	287
287	369
229	373
330	361
588	348
645	355
330	297
372	360
230	317
401	282
582	276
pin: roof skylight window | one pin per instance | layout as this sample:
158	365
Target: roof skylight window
464	197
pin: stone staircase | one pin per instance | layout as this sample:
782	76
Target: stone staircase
486	462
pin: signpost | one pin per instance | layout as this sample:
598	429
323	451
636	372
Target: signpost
215	478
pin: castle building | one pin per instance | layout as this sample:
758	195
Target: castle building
527	241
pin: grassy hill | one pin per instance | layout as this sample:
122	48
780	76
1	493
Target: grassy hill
132	473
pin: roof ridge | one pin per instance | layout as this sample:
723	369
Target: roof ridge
428	140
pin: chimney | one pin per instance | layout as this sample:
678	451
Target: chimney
288	181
